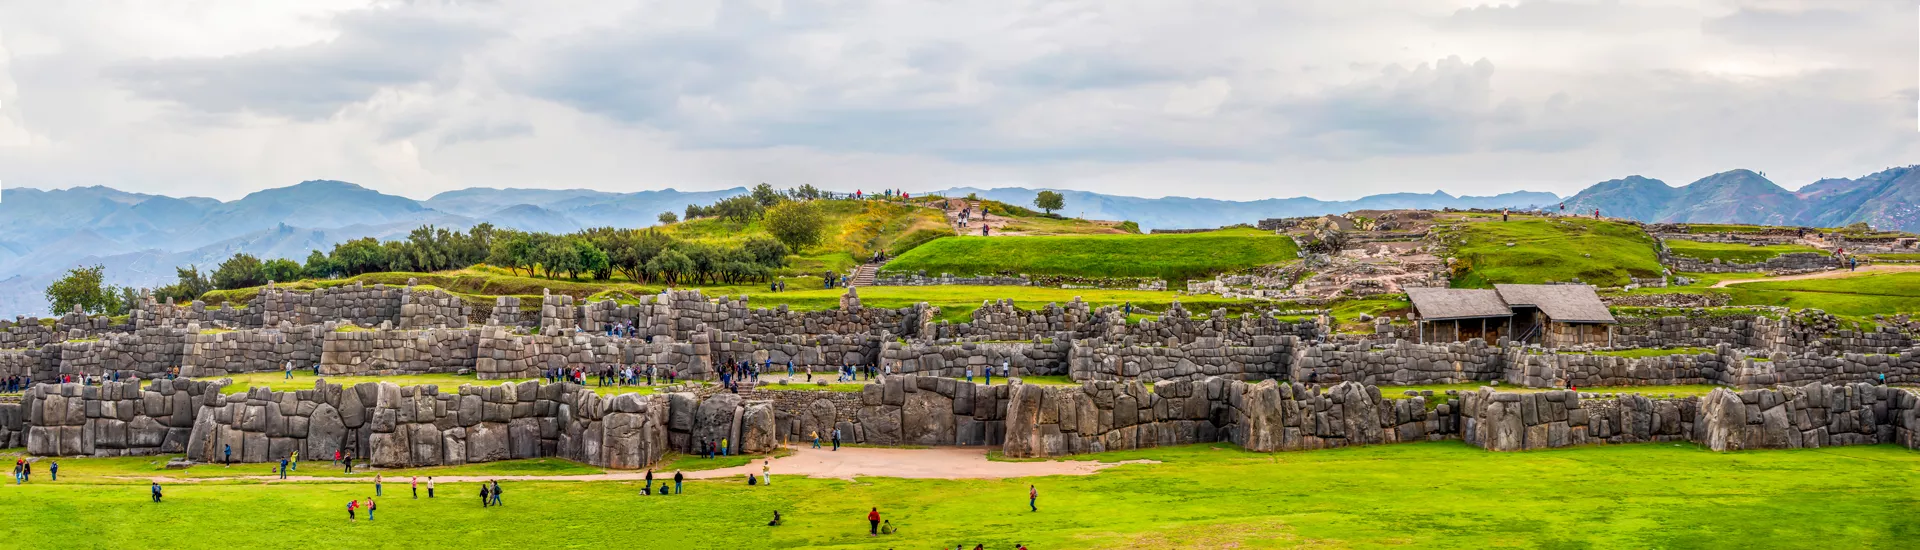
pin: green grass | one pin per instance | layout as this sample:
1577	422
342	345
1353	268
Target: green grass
1651	352
1733	253
1705	228
1175	258
1440	390
1601	253
1443	495
1894	257
1859	296
448	383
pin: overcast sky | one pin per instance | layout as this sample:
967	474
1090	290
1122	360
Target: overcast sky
1245	99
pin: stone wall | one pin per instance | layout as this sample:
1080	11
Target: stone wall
364	352
251	350
1400	363
1793	262
953	360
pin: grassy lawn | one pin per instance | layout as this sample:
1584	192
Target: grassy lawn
1859	296
448	383
1399	392
1651	352
1175	258
957	302
1732	252
1601	253
1201	496
1894	257
1706	228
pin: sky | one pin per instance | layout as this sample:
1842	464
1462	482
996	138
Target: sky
1333	99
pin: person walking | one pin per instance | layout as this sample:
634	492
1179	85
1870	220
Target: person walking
54	469
816	438
351	504
1033	497
429	486
766	472
229	460
873	522
416	487
677	478
836	439
283	468
371	505
496	493
486	495
376	485
724	449
294	460
156	492
649	485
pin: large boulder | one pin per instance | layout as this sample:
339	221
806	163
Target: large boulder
757	430
927	419
325	433
487	442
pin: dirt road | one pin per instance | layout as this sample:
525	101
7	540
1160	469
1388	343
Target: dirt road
1839	274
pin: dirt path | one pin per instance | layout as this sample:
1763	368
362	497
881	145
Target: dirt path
848	462
1837	274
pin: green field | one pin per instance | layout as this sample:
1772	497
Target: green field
1601	253
1439	390
1175	258
1894	257
1444	495
1733	253
1860	296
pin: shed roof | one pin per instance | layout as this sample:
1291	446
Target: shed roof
1440	304
1562	303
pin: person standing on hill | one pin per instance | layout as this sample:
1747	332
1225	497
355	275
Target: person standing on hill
873	522
429	487
1503	214
677	478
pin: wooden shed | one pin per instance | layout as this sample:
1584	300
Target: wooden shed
1550	315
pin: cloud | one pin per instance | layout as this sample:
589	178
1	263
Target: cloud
375	49
1237	99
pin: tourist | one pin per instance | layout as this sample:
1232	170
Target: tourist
751	480
53	470
416	487
496	493
289	370
776	519
156	492
677	478
1033	496
351	504
1503	214
429	486
17	478
376	485
486	495
663	488
229	462
370	507
649	485
969	375
294	460
989	372
873	522
283	468
816	438
724	449
886	528
766	472
836	439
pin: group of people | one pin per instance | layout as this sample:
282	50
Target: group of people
647	488
709	448
833	280
16	383
23	470
490	493
835	435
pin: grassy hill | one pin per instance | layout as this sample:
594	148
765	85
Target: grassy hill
1865	295
1599	252
1732	252
1175	258
855	229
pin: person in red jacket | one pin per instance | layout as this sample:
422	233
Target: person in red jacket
873	519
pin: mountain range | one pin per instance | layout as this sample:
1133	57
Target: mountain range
140	238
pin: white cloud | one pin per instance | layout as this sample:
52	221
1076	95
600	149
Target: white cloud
1230	99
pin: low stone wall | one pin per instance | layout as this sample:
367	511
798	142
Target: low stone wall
251	350
1792	262
1264	357
112	419
955	360
397	351
1400	363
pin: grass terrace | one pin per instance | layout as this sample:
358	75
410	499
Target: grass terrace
1175	258
1733	252
1598	252
1894	257
1399	392
1858	296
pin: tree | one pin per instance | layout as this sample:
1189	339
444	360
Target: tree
592	260
190	284
798	224
240	271
319	266
281	270
669	217
738	209
363	255
766	195
558	255
86	288
670	266
1049	201
765	251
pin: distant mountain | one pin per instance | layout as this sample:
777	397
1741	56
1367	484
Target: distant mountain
1186	213
581	207
1888	200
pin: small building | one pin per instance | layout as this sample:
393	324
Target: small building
1550	315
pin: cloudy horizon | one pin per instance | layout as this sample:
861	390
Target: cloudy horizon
1228	100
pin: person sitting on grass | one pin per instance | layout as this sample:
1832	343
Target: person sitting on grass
776	519
886	528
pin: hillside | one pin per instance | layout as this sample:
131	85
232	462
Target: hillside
1887	200
1545	250
854	229
1174	212
1175	258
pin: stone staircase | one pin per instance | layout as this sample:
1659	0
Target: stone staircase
863	275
